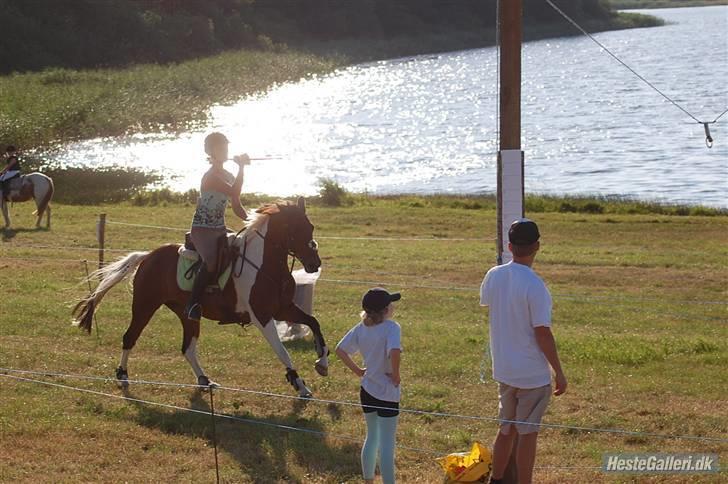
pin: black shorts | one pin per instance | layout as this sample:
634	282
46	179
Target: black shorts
382	407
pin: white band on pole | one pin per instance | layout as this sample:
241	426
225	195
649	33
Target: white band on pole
511	197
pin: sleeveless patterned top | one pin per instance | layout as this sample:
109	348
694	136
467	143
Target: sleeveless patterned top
210	212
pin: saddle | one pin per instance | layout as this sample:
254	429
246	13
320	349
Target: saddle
223	264
189	262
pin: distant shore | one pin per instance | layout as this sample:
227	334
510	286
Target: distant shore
653	4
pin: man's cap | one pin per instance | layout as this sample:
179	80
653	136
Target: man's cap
378	298
523	232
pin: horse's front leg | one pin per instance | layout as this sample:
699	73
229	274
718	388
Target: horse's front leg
271	335
294	314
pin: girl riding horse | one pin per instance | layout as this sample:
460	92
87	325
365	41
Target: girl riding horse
208	223
10	171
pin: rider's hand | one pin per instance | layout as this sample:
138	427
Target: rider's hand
242	160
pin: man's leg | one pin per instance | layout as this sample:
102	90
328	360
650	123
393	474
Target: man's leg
526	457
502	448
531	406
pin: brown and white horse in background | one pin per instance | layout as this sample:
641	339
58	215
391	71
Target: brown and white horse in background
37	186
259	290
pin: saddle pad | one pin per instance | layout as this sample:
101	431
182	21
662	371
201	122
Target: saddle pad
187	259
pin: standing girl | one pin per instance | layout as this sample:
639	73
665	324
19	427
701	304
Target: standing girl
208	223
378	339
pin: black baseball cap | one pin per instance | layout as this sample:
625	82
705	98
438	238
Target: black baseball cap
377	299
523	232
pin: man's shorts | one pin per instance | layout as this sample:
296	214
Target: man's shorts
523	405
382	407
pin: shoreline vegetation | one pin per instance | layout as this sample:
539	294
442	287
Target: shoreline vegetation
654	4
59	102
87	186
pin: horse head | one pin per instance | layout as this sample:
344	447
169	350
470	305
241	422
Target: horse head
290	225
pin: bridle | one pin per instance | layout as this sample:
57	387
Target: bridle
287	248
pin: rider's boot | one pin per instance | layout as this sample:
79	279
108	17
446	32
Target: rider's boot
194	308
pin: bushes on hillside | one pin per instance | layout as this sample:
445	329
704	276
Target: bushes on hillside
93	33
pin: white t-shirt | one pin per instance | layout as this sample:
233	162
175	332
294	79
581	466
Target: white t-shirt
519	301
374	343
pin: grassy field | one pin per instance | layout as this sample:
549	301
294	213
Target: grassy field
639	317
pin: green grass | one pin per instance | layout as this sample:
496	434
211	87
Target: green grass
642	341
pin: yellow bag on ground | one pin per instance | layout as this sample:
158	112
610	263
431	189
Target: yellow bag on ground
470	466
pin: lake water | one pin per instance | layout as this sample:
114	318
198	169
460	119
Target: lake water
428	124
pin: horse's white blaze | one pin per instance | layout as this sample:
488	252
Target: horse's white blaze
191	356
271	335
124	359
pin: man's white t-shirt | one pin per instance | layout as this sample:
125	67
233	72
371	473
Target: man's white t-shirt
374	343
518	301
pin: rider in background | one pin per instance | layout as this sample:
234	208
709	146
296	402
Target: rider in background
208	224
10	170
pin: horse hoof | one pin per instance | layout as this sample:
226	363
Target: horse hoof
203	381
122	378
321	369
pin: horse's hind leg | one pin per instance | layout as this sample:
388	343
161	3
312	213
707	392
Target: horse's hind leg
190	336
294	314
142	310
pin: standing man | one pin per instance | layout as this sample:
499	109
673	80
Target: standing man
522	348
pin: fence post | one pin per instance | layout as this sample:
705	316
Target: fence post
101	235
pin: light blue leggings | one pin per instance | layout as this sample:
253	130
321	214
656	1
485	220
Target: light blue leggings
381	437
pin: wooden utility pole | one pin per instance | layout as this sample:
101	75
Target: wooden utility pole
510	192
511	34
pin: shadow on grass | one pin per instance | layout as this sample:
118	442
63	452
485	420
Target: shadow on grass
264	448
10	233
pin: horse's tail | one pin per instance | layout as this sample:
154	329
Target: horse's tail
110	276
46	200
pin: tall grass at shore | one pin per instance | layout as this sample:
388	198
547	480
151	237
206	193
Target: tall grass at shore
57	105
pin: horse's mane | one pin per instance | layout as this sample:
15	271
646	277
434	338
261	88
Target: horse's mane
261	215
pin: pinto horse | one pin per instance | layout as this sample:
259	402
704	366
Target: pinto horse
260	288
37	186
